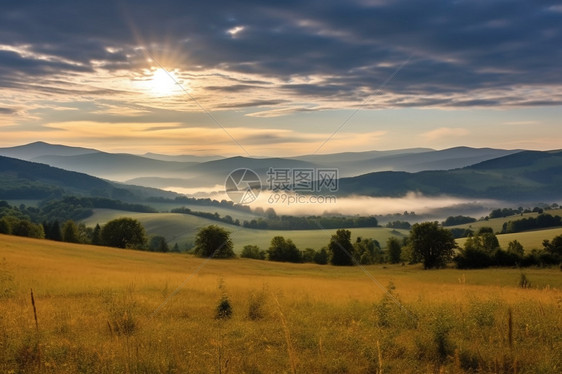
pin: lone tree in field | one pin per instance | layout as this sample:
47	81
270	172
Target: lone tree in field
341	248
213	241
124	233
433	244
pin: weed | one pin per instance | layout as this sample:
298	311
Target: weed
7	284
524	281
121	314
256	305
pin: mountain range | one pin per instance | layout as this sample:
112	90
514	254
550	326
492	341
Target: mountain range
187	171
513	175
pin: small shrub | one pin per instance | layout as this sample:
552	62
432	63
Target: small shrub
443	345
256	306
7	284
224	309
121	314
383	308
28	355
468	361
483	312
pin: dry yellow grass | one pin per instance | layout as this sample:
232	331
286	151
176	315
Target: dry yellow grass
104	310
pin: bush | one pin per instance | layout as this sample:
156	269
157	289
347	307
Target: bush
472	258
253	251
503	258
322	257
256	305
224	309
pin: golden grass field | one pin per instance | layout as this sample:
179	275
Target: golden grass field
105	310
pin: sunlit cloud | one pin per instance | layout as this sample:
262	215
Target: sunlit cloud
235	30
178	138
273	63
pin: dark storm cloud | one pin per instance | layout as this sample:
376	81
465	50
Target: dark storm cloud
454	46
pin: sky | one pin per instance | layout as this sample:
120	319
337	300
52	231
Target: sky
257	78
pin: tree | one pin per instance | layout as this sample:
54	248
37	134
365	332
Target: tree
433	244
322	256
124	233
458	220
52	231
368	251
28	229
341	248
554	248
283	250
70	232
489	242
516	248
308	255
394	250
214	241
158	244
253	251
96	235
5	226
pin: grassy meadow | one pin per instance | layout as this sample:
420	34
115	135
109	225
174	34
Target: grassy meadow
106	310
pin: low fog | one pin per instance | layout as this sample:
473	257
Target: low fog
425	207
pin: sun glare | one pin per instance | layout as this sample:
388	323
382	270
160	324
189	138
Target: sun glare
163	83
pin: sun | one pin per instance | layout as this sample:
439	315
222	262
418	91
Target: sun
163	83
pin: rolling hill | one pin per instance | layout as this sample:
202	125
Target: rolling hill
30	180
522	176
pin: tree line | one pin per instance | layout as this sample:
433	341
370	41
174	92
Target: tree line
428	243
68	208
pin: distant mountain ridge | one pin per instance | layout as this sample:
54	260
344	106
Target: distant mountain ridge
30	151
523	176
161	171
514	175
